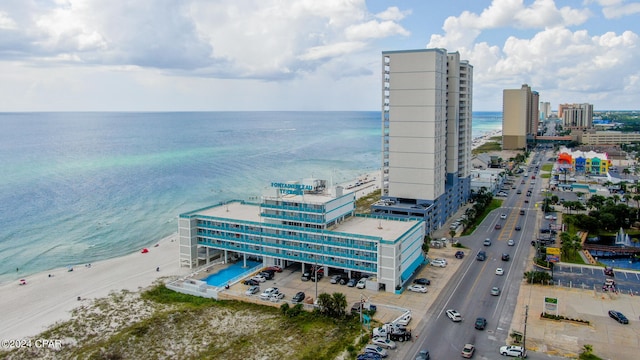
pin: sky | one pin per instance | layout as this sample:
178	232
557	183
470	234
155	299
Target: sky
310	55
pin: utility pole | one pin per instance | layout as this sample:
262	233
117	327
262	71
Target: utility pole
524	335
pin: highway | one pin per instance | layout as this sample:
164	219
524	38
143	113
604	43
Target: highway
469	291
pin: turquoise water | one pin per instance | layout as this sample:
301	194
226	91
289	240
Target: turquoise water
81	187
224	276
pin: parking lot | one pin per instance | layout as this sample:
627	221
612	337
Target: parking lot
389	305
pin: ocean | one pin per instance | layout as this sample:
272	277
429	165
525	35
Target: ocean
80	187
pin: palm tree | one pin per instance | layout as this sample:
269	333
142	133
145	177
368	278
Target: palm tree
616	198
339	304
324	303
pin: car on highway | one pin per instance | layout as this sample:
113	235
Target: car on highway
499	271
518	228
480	324
495	291
383	342
422	281
505	257
498	227
503	216
513	351
521	212
454	315
423	355
482	255
459	254
511	242
417	288
618	316
253	289
486	242
298	297
468	350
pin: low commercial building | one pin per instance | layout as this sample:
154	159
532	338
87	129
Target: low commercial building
305	223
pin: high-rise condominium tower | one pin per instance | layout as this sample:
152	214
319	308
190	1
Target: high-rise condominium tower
426	134
519	117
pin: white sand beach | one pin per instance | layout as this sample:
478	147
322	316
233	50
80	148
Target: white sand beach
44	300
481	140
30	309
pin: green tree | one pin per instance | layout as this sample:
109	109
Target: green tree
339	303
325	304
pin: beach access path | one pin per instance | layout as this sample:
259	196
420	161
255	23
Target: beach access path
32	308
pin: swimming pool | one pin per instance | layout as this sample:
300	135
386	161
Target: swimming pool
224	276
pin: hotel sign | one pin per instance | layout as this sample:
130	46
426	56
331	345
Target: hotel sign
286	188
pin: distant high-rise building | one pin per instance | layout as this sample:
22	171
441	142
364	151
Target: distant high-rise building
545	109
426	134
576	116
520	117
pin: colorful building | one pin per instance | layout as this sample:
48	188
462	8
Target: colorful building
585	162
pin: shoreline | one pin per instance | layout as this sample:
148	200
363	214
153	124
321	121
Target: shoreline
50	296
45	300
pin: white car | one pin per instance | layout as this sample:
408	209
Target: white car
362	283
253	289
499	271
454	315
417	288
376	350
383	342
511	242
438	263
276	296
259	278
267	293
404	320
514	351
503	216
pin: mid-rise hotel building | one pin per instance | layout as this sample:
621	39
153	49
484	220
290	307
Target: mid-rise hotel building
426	134
306	223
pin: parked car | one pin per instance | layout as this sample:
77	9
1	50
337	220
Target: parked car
259	278
505	257
383	343
438	262
454	315
362	283
400	335
459	254
251	282
482	256
369	356
481	323
253	289
352	282
275	268
495	291
339	279
468	350
618	316
499	271
298	297
376	350
268	292
417	288
306	276
513	351
486	242
422	281
266	275
511	242
277	296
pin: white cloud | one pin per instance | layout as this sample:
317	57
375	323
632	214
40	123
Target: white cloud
393	13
